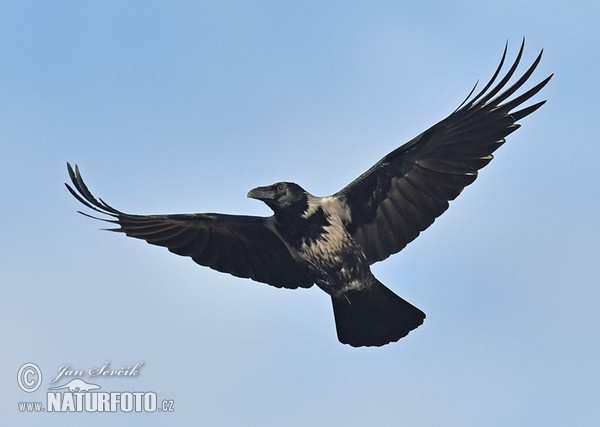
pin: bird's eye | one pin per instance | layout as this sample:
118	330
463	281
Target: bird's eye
280	187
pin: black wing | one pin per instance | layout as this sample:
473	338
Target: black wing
245	246
402	194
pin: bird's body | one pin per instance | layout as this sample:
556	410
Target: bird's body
332	241
319	238
315	229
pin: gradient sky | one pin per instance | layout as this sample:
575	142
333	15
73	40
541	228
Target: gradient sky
172	107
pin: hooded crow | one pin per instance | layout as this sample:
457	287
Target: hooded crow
332	241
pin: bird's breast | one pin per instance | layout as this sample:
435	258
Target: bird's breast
334	258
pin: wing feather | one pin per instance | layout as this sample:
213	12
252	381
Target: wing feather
244	246
419	178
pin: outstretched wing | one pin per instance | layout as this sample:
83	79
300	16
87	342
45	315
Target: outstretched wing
402	194
245	246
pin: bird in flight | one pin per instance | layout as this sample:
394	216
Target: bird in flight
332	241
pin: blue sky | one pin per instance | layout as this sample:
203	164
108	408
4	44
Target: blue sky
172	107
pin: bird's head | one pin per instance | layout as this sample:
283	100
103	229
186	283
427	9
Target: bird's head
281	196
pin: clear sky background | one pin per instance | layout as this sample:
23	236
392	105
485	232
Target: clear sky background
181	106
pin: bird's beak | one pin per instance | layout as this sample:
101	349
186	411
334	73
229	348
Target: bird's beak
262	193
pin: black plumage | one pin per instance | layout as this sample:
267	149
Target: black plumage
332	241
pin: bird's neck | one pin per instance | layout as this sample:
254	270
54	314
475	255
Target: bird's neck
296	228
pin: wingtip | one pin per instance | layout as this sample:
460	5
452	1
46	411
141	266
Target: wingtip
70	171
73	169
80	191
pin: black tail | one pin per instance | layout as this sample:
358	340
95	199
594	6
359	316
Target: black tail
374	316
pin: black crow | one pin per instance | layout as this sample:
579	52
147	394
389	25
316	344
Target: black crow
333	240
